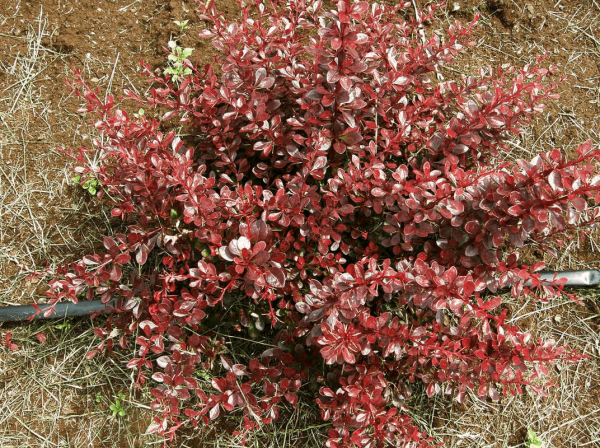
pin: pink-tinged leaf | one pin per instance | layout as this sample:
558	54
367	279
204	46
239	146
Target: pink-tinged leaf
291	397
265	147
538	266
430	390
163	361
493	393
142	255
159	377
579	203
239	369
266	83
243	243
214	413
348	356
122	258
91	354
260	74
210	94
472	227
133	363
89	260
116	273
401	80
417	333
225	253
515	210
345	82
314	95
226	362
496	121
358	9
487	256
275	277
492	304
169	115
455	207
303	307
205	34
41	337
320	162
346	209
109	243
555	180
351	138
455	304
378	192
497	239
183	394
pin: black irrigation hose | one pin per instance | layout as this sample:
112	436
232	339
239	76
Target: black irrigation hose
64	309
85	307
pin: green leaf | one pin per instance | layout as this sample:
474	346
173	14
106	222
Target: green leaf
533	441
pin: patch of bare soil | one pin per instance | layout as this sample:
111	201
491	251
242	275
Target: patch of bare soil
50	397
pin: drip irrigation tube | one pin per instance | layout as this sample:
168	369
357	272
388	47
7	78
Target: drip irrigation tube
65	309
574	278
86	308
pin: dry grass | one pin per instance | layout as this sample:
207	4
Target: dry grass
48	392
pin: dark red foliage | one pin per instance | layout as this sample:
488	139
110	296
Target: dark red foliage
325	187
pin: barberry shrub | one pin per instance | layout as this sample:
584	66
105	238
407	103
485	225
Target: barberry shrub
324	191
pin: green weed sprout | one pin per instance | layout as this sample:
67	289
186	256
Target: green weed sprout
533	441
181	25
117	407
91	185
176	68
64	326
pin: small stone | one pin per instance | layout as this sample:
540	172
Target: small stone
558	318
456	6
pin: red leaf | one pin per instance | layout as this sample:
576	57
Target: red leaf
122	258
142	254
492	304
320	162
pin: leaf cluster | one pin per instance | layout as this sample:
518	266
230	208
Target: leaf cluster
328	197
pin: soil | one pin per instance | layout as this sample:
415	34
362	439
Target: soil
107	39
